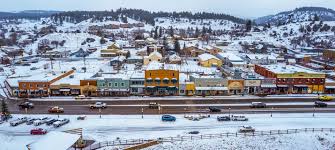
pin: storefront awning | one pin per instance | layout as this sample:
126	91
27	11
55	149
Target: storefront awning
211	88
268	86
175	79
282	86
301	86
158	79
166	79
330	87
65	90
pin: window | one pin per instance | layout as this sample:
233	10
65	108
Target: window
149	59
182	91
103	84
24	85
122	84
159	59
109	84
115	84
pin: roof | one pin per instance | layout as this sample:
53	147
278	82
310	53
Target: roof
75	80
174	57
204	57
156	53
283	68
55	141
230	56
260	56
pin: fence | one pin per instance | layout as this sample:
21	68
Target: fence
207	136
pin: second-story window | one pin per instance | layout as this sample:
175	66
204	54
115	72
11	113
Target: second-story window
115	84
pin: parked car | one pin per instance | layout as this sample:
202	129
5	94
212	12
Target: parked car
214	109
41	121
56	109
79	97
30	121
61	123
18	121
223	118
81	117
245	129
50	122
27	105
168	118
258	105
320	104
194	132
98	105
239	118
153	105
38	131
326	98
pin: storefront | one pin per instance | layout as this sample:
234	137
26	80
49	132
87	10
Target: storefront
236	87
252	86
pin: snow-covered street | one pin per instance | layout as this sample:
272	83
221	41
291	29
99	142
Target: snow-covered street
111	127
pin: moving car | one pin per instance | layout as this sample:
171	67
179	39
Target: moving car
214	109
320	104
245	129
153	105
56	109
38	131
258	105
27	105
60	123
239	118
326	98
98	105
223	118
168	118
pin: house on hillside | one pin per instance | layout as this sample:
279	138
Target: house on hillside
208	60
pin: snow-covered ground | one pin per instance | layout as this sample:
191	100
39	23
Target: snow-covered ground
111	127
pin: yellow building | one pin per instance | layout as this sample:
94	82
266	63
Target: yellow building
187	88
113	51
161	81
208	60
154	56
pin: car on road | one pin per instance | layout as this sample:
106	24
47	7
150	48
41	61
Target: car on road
50	122
80	97
168	118
326	98
153	105
38	131
194	132
81	117
320	104
239	118
258	105
60	123
56	109
246	129
98	105
214	109
25	105
223	118
18	121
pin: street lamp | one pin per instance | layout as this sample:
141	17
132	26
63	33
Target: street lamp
271	111
142	112
229	111
314	112
100	112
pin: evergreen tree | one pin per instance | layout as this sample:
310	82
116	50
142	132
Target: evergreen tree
177	46
316	17
4	110
160	32
196	32
156	33
248	25
171	31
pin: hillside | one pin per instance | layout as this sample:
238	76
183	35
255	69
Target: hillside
299	15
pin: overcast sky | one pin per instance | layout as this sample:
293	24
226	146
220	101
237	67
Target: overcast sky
241	8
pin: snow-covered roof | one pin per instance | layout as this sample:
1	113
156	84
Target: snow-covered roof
174	57
230	56
204	57
155	53
260	56
74	79
119	58
283	68
55	141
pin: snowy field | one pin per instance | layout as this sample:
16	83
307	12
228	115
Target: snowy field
111	127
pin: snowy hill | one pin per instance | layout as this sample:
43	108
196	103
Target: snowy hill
299	15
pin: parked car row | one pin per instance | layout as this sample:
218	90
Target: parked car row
232	118
40	121
18	121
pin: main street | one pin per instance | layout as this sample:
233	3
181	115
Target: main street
176	106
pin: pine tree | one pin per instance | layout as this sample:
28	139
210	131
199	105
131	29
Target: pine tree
177	46
160	32
171	31
4	110
156	33
248	25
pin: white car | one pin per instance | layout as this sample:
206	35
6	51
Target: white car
239	118
81	97
98	105
245	129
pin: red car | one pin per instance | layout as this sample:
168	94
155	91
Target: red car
38	131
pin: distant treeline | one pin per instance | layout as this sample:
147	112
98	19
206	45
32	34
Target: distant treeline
31	14
136	14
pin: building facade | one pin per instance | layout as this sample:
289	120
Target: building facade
161	82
